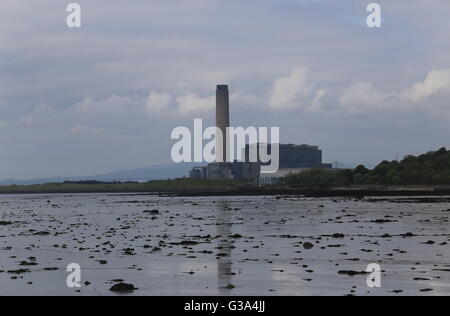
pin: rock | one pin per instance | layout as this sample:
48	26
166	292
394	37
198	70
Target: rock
153	212
41	233
129	252
122	288
51	269
230	286
25	263
308	245
20	271
3	223
188	243
352	273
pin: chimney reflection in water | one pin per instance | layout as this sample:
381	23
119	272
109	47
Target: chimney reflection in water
224	246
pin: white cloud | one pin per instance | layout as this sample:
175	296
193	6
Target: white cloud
298	90
436	82
288	92
246	98
114	103
362	97
316	104
193	103
158	103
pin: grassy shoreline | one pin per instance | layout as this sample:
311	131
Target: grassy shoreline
159	186
190	187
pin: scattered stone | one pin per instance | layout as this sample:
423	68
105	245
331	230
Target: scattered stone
122	288
51	269
397	291
352	273
29	264
19	271
41	233
153	212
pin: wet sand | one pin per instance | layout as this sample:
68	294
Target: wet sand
265	245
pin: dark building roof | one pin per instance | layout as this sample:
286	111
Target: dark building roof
294	156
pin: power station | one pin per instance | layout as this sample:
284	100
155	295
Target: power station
293	158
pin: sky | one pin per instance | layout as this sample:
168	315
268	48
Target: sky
106	96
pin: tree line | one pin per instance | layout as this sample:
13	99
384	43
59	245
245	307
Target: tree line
432	168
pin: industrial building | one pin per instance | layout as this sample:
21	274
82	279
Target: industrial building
227	170
293	158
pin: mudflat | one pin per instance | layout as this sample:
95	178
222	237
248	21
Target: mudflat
135	244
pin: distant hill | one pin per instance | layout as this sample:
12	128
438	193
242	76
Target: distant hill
156	172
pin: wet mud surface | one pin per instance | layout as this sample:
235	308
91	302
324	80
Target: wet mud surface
265	245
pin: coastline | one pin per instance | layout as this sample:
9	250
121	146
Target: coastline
224	188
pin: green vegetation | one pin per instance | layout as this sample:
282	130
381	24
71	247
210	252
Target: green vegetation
432	168
151	186
320	178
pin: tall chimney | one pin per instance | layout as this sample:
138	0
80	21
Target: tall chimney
222	121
